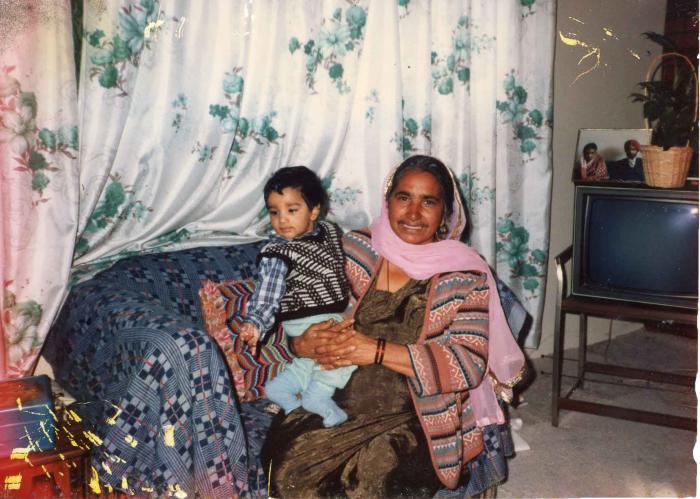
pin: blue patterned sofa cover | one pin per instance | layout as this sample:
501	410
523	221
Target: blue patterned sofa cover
130	346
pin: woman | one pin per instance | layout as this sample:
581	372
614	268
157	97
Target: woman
429	338
593	165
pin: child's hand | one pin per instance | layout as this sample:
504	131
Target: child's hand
249	335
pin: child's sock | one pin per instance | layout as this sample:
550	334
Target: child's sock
284	391
317	399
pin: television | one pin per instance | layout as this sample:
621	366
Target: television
636	244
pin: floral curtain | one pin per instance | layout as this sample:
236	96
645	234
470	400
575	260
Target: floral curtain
38	174
185	108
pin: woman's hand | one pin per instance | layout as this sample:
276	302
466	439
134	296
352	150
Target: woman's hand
357	349
350	348
319	335
336	344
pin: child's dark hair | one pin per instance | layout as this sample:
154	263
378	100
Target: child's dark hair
299	177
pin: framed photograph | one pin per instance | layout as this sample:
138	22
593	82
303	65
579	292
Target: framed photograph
612	154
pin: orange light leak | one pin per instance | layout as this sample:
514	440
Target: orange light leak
88	441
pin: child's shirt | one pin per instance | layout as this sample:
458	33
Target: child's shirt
298	278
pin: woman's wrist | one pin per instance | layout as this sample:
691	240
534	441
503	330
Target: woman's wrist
380	350
397	358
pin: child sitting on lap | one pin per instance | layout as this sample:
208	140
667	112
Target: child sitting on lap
301	282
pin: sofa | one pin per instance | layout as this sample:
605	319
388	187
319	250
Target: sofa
130	346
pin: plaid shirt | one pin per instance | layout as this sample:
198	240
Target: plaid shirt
265	302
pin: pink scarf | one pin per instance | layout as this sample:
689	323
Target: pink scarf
422	261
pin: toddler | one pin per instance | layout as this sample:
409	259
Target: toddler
301	282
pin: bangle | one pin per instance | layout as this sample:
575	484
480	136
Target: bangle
379	354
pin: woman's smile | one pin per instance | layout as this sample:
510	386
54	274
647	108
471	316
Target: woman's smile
411	225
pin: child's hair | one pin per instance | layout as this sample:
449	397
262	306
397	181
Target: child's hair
299	177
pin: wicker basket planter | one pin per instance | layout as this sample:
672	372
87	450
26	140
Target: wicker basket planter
666	168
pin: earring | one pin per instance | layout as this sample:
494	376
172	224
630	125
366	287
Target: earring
442	230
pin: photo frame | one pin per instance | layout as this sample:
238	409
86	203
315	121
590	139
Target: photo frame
610	154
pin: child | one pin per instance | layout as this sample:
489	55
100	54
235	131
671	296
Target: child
302	281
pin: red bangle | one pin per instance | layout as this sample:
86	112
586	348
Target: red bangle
379	354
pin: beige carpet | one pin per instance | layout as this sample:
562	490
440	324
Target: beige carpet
596	456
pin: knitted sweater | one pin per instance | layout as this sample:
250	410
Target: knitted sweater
316	281
448	358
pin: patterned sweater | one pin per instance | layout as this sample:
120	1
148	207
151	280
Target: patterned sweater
449	357
315	282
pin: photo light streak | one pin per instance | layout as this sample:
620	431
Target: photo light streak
592	52
13	482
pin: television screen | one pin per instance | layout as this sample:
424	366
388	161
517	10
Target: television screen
637	245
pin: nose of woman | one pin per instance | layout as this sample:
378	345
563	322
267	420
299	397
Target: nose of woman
413	210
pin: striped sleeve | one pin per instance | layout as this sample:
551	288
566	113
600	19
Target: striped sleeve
455	360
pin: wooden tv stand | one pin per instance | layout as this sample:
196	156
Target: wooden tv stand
584	307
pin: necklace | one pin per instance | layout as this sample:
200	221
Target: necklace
388	266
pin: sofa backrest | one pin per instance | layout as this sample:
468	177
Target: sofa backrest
175	278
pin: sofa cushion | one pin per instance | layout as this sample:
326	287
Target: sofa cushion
223	309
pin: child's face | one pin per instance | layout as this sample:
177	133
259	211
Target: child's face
289	215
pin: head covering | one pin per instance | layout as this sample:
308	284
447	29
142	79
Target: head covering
422	261
634	143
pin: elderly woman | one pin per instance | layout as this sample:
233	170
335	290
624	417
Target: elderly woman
433	350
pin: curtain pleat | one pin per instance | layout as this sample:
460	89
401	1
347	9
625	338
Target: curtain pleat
185	108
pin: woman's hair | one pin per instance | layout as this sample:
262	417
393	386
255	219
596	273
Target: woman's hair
430	165
299	177
590	145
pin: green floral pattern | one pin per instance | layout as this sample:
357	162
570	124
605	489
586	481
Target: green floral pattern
34	149
526	122
473	194
180	105
336	39
372	99
527	7
260	130
111	58
405	140
204	152
526	265
117	203
339	197
455	66
20	322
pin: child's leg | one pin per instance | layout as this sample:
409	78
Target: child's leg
317	398
284	391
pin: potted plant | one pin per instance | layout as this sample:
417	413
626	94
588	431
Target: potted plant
670	109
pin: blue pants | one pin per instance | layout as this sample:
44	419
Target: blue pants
304	384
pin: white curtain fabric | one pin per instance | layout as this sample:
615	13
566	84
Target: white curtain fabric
185	108
38	174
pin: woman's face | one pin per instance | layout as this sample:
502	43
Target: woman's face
416	207
589	153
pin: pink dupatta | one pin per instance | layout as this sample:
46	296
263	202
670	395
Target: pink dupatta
422	261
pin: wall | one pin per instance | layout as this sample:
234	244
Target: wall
598	99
